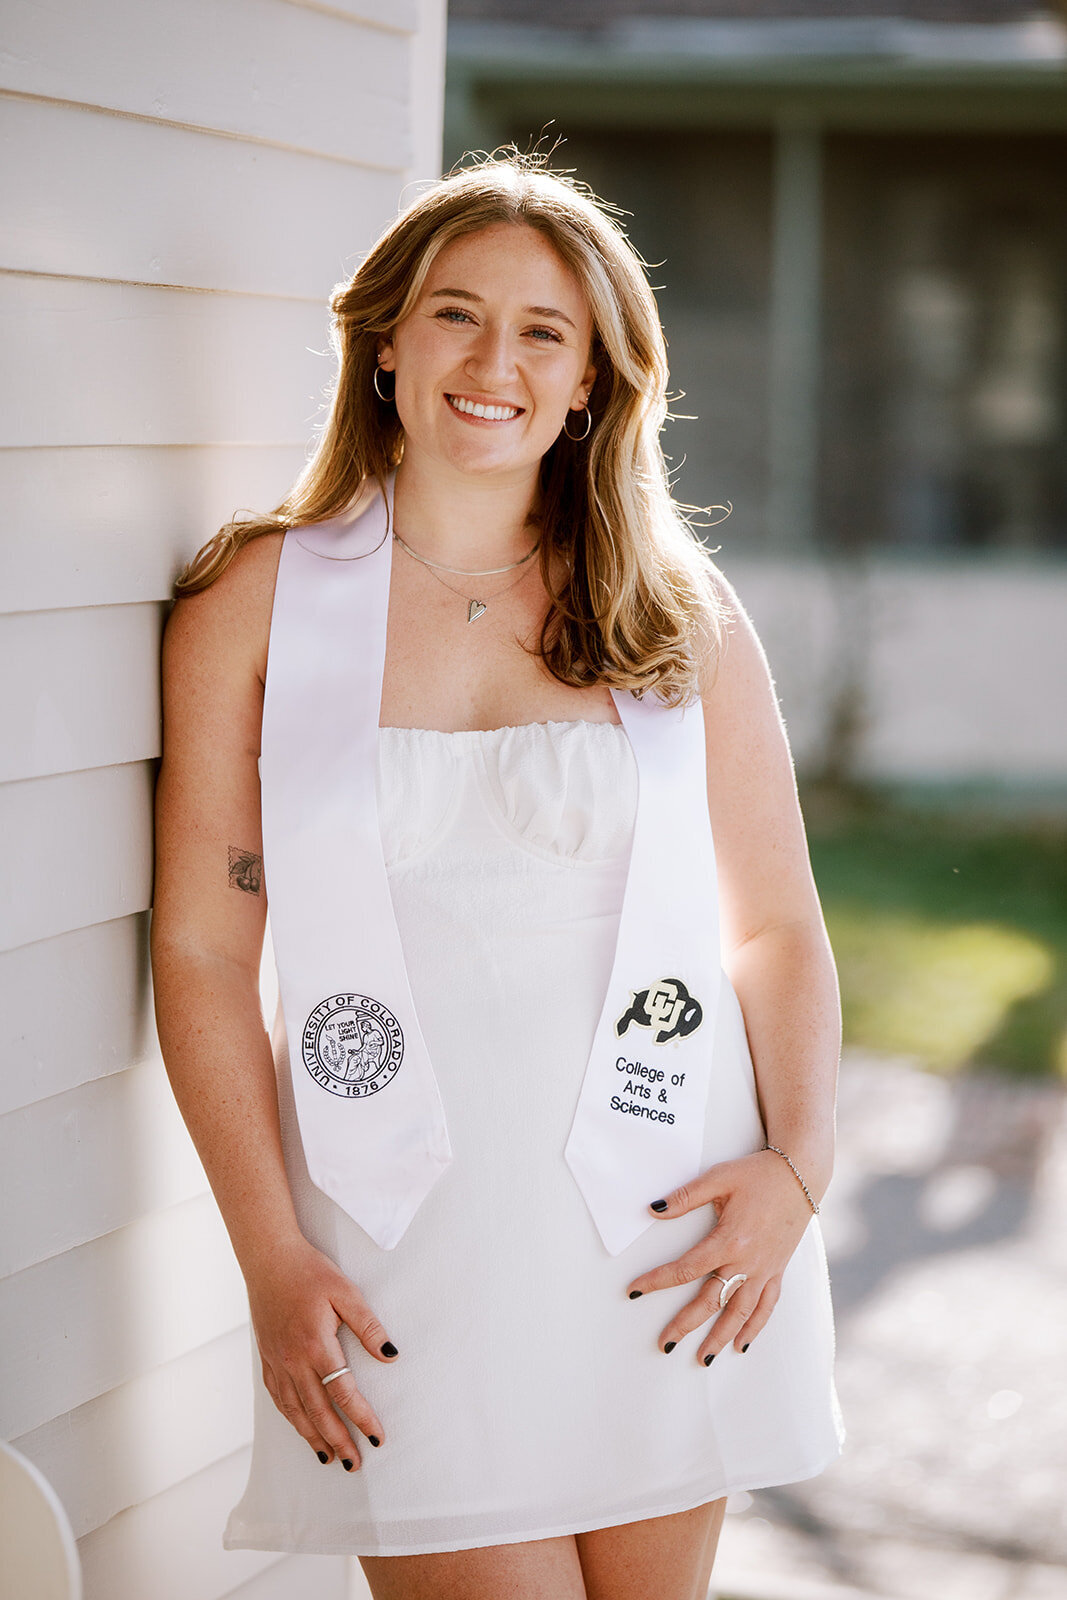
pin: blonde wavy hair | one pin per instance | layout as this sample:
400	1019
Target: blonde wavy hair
638	605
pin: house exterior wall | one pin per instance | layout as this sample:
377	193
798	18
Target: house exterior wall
948	675
185	182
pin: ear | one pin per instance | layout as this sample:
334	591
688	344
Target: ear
386	355
585	388
583	391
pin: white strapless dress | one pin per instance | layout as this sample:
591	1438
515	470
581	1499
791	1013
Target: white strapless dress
530	1397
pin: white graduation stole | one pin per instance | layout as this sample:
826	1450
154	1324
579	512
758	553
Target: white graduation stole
368	1104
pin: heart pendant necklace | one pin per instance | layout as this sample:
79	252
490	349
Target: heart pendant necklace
475	608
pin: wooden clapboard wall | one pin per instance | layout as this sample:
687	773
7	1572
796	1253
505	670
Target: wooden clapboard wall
185	181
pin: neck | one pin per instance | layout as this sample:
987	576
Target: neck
467	522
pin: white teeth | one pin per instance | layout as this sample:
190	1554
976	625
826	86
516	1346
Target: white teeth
472	408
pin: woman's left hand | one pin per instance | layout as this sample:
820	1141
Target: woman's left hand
762	1215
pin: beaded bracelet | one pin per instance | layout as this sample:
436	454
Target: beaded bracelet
795	1173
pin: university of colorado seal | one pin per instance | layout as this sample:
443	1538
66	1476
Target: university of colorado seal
352	1045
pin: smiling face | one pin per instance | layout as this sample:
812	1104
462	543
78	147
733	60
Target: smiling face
494	353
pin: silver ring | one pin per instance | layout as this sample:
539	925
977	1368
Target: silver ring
330	1376
728	1286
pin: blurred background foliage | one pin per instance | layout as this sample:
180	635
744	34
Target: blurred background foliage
950	932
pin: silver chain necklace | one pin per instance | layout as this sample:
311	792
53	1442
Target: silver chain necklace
475	608
458	572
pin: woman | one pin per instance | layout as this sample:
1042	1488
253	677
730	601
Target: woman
514	1144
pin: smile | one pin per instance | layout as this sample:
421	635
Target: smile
472	408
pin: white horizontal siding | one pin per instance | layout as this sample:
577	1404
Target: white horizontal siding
169	1547
305	1578
92	1160
107	363
86	1321
185	183
88	194
113	526
86	698
401	15
81	851
261	69
100	974
149	1434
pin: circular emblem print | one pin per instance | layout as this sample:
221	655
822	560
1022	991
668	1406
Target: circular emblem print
352	1045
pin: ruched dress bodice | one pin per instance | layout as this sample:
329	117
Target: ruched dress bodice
541	787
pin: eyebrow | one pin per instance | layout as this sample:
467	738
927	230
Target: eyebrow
534	311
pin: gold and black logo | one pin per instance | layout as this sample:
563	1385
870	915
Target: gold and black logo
667	1007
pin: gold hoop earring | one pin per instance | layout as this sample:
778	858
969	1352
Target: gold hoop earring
577	438
388	398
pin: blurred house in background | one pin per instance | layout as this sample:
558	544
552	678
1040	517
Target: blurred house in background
855	209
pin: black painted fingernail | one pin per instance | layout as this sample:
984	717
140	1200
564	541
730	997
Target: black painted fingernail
348	1465
669	1346
389	1348
659	1205
323	1457
709	1359
744	1347
635	1294
375	1442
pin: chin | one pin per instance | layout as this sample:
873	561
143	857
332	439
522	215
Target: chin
485	461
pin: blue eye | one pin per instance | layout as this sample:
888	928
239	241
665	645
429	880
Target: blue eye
456	314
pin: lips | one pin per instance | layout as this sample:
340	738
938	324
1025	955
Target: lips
483	413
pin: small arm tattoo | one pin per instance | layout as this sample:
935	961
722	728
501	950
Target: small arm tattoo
246	870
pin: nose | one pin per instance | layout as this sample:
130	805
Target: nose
491	361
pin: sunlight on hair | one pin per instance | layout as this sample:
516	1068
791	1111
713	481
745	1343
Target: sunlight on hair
641	606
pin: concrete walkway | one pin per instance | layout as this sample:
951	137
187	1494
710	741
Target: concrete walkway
946	1228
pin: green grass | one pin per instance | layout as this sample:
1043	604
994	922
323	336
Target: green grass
950	935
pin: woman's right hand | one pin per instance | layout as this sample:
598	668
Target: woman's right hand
299	1299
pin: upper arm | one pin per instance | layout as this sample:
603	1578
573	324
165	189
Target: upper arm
765	877
209	897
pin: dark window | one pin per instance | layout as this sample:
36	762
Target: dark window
945	318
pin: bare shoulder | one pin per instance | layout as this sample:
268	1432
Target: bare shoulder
735	676
225	628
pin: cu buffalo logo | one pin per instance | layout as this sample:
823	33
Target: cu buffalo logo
352	1045
667	1007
